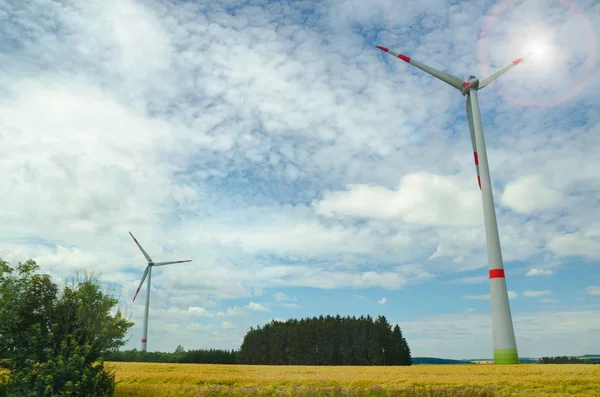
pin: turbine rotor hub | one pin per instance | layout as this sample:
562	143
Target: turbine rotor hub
470	85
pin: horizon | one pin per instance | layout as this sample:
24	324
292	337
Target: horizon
304	171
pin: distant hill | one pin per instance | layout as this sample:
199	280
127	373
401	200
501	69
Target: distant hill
435	360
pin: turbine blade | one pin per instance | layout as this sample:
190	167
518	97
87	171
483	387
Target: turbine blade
472	130
142	282
445	77
170	263
141	249
486	81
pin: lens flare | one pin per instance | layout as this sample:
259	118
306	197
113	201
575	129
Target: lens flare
521	27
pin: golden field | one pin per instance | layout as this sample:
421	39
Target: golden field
151	379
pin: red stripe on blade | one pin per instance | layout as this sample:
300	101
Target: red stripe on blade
144	340
518	61
479	181
382	48
404	58
476	158
497	273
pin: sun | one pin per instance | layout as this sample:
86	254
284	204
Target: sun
540	48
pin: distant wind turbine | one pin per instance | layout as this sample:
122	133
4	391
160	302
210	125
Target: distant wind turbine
148	273
505	346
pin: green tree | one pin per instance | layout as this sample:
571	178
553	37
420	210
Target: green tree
54	338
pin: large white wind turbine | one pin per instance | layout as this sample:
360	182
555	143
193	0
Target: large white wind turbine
505	346
148	273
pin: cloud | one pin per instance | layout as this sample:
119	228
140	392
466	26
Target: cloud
227	325
575	244
546	300
235	311
257	307
382	301
471	310
529	194
593	289
540	272
420	199
535	294
302	168
280	296
199	311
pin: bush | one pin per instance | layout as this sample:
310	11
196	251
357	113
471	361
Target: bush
54	339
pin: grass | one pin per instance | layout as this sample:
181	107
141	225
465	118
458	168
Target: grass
179	380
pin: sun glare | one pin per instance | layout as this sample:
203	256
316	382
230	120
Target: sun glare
540	49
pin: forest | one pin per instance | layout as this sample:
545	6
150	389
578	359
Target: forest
311	341
326	341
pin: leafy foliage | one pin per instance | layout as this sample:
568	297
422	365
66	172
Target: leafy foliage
326	341
53	338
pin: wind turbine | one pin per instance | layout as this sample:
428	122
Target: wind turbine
148	273
505	346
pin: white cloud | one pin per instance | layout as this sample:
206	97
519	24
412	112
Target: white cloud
471	310
280	296
575	244
227	325
257	307
422	198
546	300
235	311
303	166
382	301
593	289
199	311
529	194
540	272
535	294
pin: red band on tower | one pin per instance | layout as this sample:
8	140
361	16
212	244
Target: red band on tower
144	340
496	273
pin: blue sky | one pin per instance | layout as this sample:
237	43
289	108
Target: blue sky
304	171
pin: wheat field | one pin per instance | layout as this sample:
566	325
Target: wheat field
147	379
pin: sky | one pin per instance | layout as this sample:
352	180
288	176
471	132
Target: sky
304	171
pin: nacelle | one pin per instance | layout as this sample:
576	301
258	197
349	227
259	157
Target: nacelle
472	84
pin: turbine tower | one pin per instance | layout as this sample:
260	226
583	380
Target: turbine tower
148	273
505	345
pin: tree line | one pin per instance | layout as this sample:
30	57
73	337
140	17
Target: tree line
326	341
200	356
564	360
311	341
